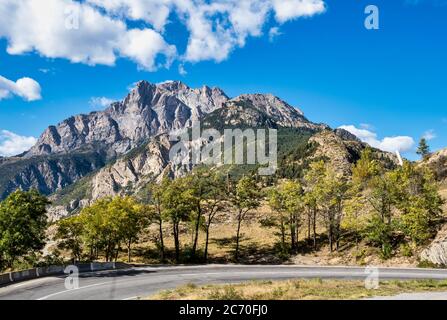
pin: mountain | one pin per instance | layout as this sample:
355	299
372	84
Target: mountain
84	143
148	110
123	148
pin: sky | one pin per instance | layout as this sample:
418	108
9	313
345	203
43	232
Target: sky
59	58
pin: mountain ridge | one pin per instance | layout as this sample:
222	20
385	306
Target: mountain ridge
127	144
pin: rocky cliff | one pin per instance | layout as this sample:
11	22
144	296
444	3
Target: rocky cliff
83	144
148	110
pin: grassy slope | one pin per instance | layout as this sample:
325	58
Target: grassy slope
315	289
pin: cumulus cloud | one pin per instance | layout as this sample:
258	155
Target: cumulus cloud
430	135
390	144
12	144
99	31
102	102
291	9
77	32
26	88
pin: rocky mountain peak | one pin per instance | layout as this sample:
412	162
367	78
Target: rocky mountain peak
149	109
279	111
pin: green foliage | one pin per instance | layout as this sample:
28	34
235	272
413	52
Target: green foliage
403	202
69	232
244	196
423	148
23	222
286	200
379	233
227	293
103	226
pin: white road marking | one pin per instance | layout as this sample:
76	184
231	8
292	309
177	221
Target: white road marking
61	292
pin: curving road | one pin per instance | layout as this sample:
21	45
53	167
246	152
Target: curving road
143	281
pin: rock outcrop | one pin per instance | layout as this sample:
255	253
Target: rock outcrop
436	252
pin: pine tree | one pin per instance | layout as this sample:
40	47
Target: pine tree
423	148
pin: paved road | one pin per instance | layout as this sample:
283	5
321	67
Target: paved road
144	281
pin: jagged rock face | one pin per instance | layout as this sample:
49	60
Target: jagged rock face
47	174
277	110
343	150
127	175
148	110
131	172
346	135
332	147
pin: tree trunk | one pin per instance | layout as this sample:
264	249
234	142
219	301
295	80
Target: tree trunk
117	251
207	237
162	244
292	237
283	234
309	218
314	222
176	242
196	231
330	236
128	250
236	255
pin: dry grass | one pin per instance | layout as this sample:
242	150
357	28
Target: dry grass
315	289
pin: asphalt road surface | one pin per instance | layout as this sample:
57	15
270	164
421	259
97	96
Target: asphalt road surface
143	281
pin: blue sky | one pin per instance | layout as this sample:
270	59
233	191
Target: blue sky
383	83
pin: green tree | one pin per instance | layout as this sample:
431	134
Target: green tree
110	222
214	203
287	201
130	218
380	228
243	197
313	182
179	205
199	184
418	201
423	148
23	222
156	208
333	193
365	169
69	235
277	204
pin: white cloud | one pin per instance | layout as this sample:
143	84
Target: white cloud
26	88
77	32
182	71
430	135
98	31
102	102
291	9
273	33
12	144
390	144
